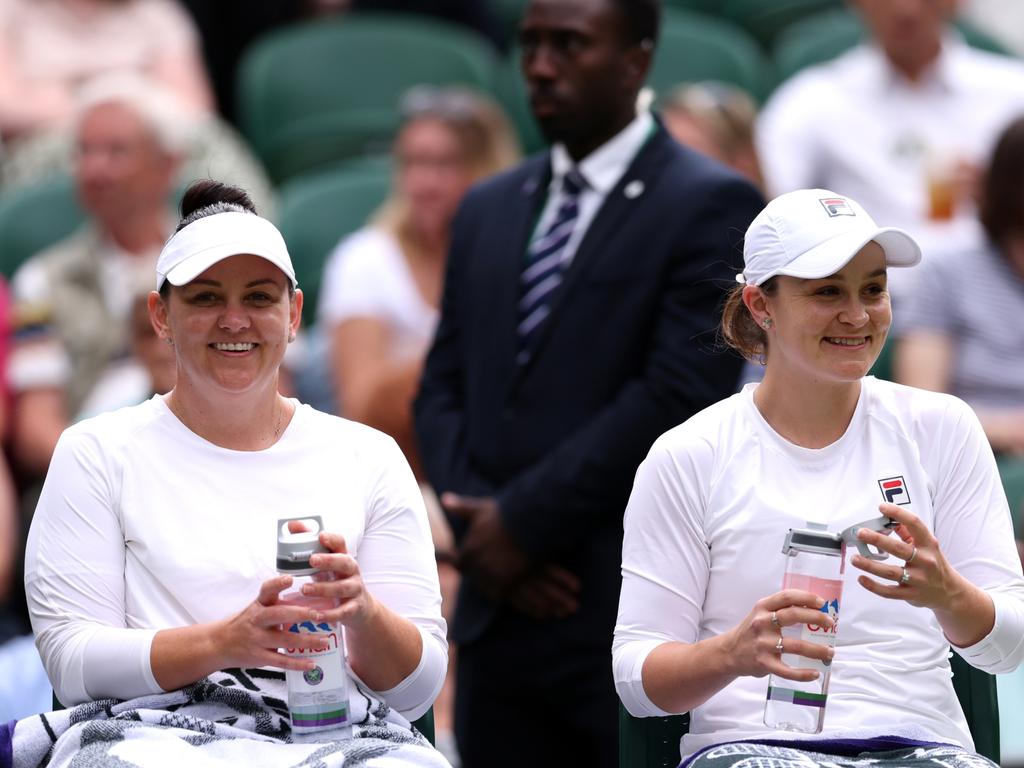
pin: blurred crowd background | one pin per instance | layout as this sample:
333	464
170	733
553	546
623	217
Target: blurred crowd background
357	125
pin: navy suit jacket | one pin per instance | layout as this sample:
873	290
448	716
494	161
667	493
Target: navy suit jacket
626	353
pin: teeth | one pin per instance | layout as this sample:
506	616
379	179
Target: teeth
846	342
234	347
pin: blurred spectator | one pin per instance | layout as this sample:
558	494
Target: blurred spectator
899	123
73	301
717	119
954	335
148	368
49	49
382	285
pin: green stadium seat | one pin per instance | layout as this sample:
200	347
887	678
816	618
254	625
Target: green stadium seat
765	19
34	218
824	36
653	742
696	47
1011	472
510	90
317	210
323	90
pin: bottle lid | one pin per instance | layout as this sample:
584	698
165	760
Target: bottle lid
814	538
295	548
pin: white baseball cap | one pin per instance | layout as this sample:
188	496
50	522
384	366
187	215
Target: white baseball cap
206	241
813	233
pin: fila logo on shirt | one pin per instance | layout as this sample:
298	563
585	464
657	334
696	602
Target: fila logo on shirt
894	490
836	206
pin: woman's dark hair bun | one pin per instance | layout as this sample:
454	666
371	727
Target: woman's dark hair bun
206	192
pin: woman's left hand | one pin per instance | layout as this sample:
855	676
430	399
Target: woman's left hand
356	604
924	578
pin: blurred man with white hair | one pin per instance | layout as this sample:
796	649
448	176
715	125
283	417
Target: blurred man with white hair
73	300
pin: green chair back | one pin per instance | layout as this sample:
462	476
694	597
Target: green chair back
322	90
510	90
765	19
824	36
316	211
695	47
1011	472
35	218
653	742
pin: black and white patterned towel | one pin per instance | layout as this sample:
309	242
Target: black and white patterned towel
232	718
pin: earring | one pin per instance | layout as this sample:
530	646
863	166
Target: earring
291	337
169	340
767	323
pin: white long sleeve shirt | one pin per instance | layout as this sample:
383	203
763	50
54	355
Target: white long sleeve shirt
142	525
704	530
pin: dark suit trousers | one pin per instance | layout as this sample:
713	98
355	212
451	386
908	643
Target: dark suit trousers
529	695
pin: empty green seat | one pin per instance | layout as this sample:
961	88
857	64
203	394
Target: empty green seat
694	47
322	90
317	210
34	218
765	19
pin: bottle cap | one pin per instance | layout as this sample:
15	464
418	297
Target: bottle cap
295	549
814	538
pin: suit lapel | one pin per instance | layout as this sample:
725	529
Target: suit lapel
511	245
630	191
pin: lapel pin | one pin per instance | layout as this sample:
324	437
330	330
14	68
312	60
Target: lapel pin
634	189
530	185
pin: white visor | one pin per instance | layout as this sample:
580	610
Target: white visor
211	239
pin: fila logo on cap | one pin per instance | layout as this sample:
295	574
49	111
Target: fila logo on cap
894	490
836	206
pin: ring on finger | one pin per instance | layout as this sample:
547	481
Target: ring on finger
774	619
913	554
778	645
905	577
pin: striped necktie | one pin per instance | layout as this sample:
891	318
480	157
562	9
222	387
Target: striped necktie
544	268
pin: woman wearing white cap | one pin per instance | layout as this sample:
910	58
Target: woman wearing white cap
151	558
702	619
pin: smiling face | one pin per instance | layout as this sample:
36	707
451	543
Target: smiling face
230	326
828	330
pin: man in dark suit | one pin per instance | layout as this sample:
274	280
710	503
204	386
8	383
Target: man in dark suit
576	326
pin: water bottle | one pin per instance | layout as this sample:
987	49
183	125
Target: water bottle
815	560
317	698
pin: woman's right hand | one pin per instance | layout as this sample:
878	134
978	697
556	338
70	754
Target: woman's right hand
255	636
754	642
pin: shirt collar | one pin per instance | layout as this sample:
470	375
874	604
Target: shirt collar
603	167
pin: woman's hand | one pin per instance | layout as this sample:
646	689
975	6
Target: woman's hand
356	605
755	643
258	635
924	578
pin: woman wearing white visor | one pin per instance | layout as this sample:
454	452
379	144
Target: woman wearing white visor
150	569
703	619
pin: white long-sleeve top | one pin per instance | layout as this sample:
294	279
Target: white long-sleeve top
142	525
704	531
